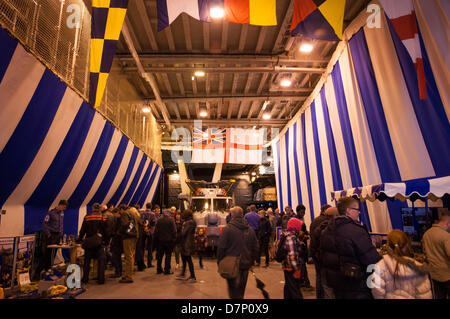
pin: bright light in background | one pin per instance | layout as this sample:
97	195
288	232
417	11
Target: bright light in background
286	83
203	113
206	205
217	13
199	73
205	135
262	170
270	159
265	105
253	174
266	116
306	48
193	78
145	110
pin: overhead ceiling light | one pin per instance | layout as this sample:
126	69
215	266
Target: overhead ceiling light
199	73
203	113
217	13
145	110
306	48
266	116
193	78
286	83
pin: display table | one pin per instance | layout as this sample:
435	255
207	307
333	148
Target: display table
73	251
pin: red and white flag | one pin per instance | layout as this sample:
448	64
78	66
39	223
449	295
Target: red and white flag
230	145
403	18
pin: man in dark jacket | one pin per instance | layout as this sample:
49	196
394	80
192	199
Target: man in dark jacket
264	234
316	229
187	244
149	220
238	239
345	245
93	235
116	243
165	236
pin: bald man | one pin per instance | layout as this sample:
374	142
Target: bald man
316	229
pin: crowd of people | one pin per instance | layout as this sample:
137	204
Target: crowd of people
347	264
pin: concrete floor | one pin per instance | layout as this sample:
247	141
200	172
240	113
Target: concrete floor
148	285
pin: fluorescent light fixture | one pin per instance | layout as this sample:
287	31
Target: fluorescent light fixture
266	116
217	13
145	110
286	83
199	73
306	48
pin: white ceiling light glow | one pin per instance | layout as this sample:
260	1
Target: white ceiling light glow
203	113
266	116
145	110
306	48
286	83
217	13
199	73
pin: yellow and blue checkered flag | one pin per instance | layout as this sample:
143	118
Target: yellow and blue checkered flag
106	25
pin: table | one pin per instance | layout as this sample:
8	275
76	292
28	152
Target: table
73	251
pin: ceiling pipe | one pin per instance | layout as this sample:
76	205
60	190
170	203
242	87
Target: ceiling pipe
276	69
146	76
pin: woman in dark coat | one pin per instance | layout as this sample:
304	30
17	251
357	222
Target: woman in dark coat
187	245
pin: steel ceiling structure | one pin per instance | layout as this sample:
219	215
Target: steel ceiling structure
243	67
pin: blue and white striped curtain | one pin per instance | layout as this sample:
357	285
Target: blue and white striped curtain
55	146
366	126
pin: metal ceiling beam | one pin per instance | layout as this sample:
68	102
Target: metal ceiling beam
230	109
187	31
142	9
148	77
215	99
186	109
232	122
284	26
133	35
242	69
224	43
298	90
169	36
206	36
261	38
243	37
180	83
219	58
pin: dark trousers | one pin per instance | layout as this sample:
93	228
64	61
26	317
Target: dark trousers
304	280
319	287
116	254
149	248
291	286
263	248
441	290
188	260
45	262
236	286
98	254
140	252
200	254
163	249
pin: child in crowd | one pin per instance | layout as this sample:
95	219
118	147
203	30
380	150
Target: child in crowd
201	242
397	275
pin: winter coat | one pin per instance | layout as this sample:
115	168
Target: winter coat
200	242
265	230
187	238
292	245
165	230
317	227
346	242
231	243
408	284
179	227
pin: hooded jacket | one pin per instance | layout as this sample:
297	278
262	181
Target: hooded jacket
231	243
408	283
346	242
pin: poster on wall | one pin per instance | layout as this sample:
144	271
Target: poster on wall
24	258
7	256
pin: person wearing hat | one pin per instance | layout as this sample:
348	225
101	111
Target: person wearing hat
292	263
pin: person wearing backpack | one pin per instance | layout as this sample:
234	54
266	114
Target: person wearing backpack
238	240
316	229
289	254
130	233
398	276
93	236
346	252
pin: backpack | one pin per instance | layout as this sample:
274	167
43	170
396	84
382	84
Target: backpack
281	252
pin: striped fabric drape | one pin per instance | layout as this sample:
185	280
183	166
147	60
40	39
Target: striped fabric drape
366	125
55	146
